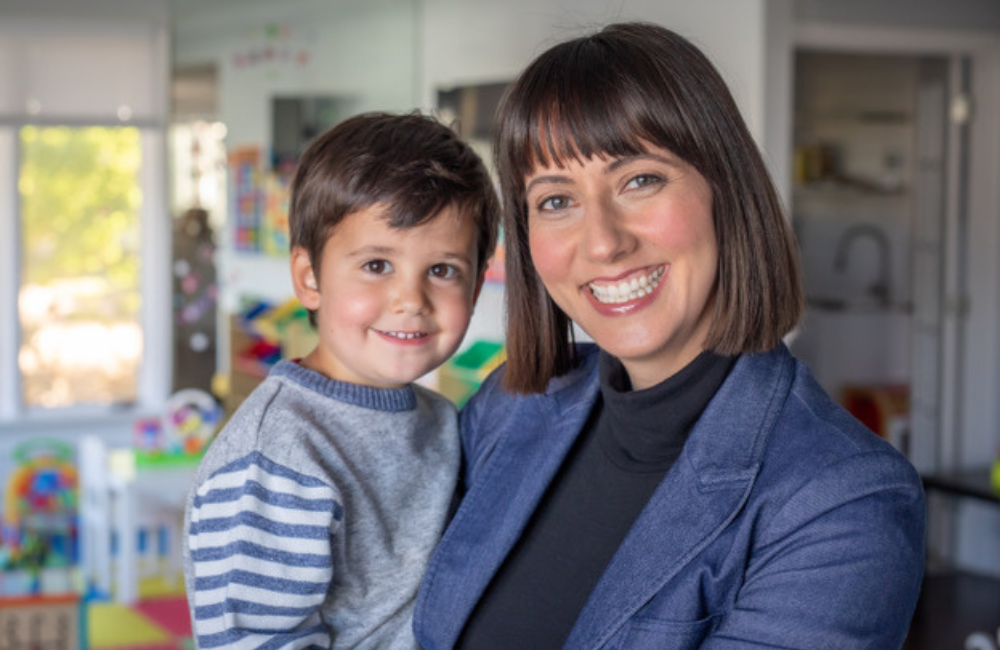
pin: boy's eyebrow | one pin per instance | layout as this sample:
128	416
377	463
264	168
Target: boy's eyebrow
461	257
365	251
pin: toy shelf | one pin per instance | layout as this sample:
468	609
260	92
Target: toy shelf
259	336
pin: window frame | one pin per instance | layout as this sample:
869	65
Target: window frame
156	316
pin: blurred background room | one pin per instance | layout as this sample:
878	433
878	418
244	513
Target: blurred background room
146	149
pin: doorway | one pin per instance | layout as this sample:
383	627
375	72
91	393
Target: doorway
868	206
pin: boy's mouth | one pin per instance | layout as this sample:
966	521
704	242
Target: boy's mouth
404	336
618	292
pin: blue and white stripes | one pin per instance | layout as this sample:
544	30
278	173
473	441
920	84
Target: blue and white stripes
260	544
314	512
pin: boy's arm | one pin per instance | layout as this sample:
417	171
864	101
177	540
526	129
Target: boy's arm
260	544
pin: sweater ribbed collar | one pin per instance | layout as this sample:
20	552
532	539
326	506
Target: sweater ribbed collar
380	399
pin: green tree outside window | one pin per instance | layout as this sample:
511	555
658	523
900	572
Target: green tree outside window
81	339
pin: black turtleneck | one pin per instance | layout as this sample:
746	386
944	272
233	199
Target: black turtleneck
630	441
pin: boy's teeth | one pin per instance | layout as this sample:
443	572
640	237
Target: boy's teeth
406	335
628	289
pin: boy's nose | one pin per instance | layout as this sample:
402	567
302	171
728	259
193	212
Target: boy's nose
410	297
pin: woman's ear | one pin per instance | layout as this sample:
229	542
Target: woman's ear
304	279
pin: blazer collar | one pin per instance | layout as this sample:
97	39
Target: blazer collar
701	494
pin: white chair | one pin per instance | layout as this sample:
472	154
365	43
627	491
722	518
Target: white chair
95	514
115	498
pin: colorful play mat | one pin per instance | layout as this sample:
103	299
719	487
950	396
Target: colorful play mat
159	621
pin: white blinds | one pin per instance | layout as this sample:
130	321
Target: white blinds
90	71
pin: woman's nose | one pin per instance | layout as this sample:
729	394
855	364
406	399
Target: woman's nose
606	237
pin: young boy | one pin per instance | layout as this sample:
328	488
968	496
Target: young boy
316	508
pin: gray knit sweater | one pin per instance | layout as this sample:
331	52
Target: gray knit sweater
314	513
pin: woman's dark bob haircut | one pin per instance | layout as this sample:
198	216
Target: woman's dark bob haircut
609	94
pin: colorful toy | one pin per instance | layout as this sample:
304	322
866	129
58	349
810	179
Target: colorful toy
147	435
42	487
191	419
39	527
271	323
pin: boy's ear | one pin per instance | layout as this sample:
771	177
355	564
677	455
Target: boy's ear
304	279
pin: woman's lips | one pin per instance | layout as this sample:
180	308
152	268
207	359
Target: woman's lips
628	290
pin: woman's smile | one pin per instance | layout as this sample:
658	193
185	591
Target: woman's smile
632	288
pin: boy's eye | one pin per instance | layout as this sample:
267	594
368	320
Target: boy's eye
443	271
377	267
643	180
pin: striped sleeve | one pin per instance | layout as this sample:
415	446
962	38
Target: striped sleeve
260	543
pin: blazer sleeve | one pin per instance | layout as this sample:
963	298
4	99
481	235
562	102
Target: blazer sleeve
838	566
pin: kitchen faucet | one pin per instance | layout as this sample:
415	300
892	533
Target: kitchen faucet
880	289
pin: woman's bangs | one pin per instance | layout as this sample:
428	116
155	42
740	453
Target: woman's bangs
577	126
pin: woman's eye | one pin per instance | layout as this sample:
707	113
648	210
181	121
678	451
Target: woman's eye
377	267
444	271
643	180
554	204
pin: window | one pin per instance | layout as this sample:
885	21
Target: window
84	228
79	300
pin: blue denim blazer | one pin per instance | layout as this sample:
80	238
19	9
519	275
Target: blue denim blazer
785	523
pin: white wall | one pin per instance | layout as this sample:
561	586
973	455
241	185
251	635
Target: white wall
152	11
479	41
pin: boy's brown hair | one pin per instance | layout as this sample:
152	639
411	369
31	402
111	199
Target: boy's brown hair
410	163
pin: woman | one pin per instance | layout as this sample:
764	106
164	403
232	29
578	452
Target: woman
683	483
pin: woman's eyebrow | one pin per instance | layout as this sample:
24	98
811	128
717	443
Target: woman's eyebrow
548	178
612	166
624	160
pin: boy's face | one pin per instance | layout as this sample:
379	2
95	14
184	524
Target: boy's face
391	304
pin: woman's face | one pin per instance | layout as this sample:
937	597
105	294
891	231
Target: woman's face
626	247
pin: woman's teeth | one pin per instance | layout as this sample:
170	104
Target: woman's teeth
628	289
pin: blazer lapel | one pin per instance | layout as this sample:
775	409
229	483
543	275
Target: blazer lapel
509	487
704	490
